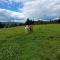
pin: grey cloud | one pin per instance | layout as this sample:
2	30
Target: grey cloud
41	8
10	15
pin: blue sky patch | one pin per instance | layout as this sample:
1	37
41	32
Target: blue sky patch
14	6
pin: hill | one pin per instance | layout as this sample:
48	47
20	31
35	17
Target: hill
42	44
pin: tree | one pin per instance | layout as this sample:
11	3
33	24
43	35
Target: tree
59	20
1	25
28	22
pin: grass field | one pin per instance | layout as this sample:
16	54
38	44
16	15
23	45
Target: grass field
42	44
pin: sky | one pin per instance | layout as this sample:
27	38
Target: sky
20	10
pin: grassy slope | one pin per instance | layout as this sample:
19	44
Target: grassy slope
42	44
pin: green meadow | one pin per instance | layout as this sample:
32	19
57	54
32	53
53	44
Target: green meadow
41	44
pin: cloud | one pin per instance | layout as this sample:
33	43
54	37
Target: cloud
41	9
7	14
10	0
34	9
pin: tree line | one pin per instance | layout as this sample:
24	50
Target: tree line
28	22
